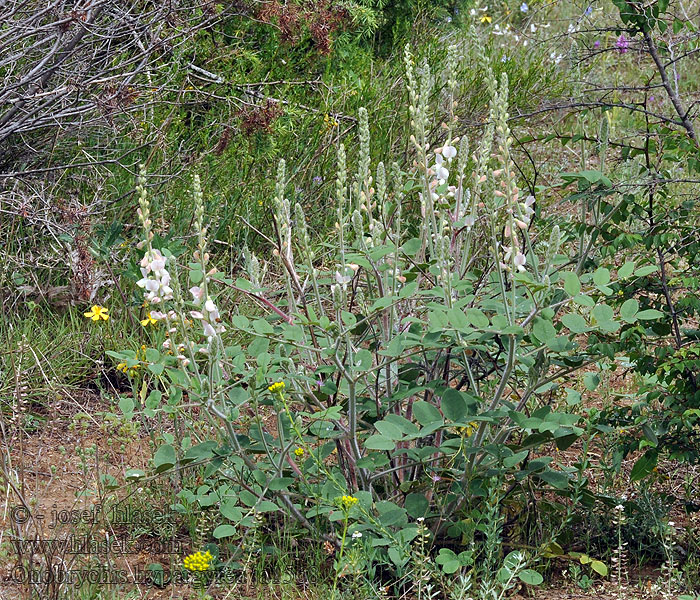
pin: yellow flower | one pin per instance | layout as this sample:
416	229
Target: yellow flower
199	561
97	312
485	19
277	388
469	429
348	501
299	452
127	370
149	320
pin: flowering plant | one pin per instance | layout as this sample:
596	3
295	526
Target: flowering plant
409	372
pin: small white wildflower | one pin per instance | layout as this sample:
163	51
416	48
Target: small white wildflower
449	152
441	173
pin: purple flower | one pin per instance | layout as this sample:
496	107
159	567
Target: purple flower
318	180
622	44
596	44
588	11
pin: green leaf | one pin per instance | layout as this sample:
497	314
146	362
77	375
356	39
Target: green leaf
425	413
644	465
363	360
411	247
262	327
389	430
575	323
649	314
416	505
583	300
591	381
477	318
543	330
453	405
229	509
223	531
156	369
379	442
126	405
164	458
511	461
572	285
457	319
556	479
626	270
629	310
601	276
280	483
646	270
267	506
530	577
599	567
602	312
134	474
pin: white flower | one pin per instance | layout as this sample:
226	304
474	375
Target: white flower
357	535
209	331
156	278
449	152
342	279
197	294
441	173
469	222
520	261
524	7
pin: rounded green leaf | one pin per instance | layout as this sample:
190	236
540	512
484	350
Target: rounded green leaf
530	577
601	276
426	413
599	567
477	318
389	430
453	405
379	442
649	314
223	531
575	323
416	505
230	510
629	310
572	285
164	458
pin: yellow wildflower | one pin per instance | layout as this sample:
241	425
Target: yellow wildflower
469	429
127	370
485	19
149	320
277	388
299	452
97	312
199	561
348	501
